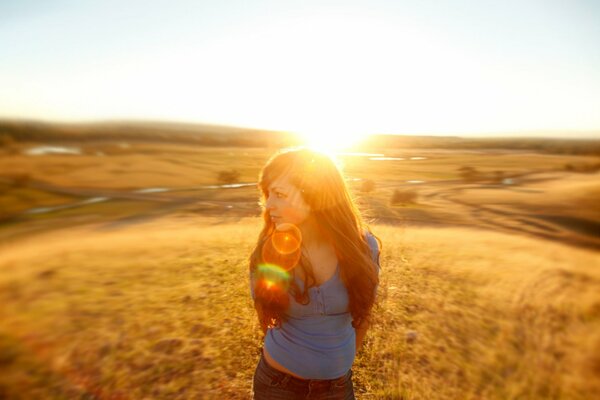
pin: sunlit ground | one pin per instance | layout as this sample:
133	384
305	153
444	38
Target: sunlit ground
162	310
489	287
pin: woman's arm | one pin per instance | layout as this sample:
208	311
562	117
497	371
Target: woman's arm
263	326
361	332
257	305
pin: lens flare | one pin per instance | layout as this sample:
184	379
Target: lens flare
282	248
280	253
287	238
272	285
273	275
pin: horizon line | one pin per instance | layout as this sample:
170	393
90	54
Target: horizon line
554	133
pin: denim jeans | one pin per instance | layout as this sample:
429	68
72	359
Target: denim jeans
270	383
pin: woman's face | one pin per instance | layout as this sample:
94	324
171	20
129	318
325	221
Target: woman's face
285	203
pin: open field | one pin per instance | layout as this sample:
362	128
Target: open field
162	310
545	195
123	272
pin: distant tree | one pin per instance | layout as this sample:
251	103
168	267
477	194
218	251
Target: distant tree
367	186
403	196
229	177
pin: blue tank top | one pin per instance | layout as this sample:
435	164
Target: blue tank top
317	341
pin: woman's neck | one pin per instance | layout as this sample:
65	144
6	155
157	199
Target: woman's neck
311	234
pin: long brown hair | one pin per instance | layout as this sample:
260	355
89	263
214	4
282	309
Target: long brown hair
324	190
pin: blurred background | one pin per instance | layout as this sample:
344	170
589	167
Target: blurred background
131	139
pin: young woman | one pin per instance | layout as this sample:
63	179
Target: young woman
313	278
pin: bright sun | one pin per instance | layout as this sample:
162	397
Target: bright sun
331	140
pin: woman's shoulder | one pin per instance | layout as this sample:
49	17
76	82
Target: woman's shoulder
371	240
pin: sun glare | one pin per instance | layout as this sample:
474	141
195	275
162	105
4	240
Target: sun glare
331	140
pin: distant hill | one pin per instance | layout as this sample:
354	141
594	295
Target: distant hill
542	145
200	134
221	135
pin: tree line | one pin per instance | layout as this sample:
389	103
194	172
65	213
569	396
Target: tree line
224	136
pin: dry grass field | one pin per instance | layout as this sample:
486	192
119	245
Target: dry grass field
123	273
162	310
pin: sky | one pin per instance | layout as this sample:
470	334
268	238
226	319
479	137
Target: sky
473	67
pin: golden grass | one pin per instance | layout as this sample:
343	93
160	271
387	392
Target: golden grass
563	193
142	165
497	317
564	208
23	198
138	166
444	164
162	310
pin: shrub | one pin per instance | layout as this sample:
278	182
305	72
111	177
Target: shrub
367	186
20	179
469	174
582	167
403	196
6	140
229	177
498	177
